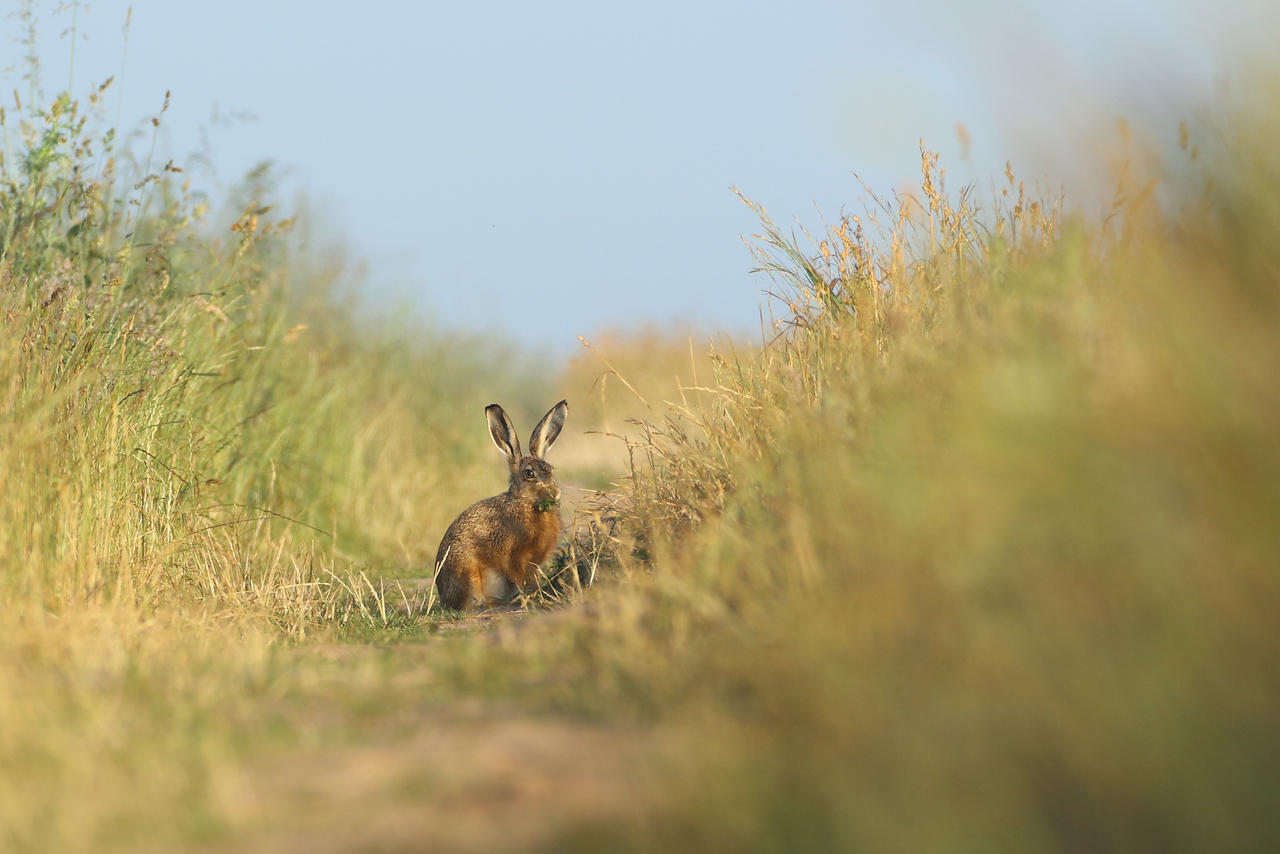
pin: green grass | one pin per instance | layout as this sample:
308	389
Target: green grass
976	554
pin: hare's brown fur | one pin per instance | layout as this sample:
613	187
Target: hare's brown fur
494	547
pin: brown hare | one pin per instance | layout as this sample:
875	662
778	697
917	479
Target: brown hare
494	547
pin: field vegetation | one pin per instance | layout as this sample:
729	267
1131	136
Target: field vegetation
975	551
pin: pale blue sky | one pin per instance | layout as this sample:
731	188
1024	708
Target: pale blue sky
548	169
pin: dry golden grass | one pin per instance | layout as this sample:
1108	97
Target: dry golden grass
622	377
978	553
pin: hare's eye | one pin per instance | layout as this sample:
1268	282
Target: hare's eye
528	474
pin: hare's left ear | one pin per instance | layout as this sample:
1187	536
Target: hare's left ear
544	435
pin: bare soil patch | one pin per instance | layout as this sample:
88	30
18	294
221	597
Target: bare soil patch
459	783
465	776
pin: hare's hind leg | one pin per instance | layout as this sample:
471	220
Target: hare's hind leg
494	588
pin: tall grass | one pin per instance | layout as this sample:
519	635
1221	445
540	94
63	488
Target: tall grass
182	419
979	552
202	457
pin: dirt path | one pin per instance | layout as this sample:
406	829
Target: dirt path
462	784
466	776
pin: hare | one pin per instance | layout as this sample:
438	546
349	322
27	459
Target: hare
493	549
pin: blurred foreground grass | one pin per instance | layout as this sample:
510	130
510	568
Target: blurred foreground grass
981	551
978	553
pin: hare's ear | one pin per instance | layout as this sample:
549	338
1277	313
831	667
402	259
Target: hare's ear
502	431
548	429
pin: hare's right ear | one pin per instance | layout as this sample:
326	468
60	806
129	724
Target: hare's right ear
502	431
